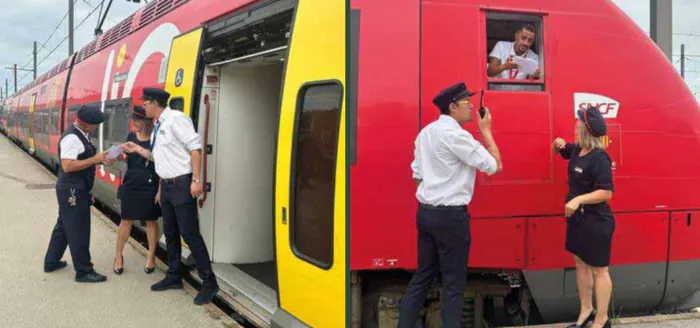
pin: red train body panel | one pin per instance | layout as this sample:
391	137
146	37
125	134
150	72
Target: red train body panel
657	116
517	215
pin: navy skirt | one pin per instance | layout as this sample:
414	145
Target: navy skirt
138	197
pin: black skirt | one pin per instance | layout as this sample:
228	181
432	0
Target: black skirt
138	197
590	238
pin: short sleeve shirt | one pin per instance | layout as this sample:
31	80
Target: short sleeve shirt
505	50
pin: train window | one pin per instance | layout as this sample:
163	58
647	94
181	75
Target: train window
314	154
515	52
45	124
72	114
106	127
162	73
177	104
120	123
54	120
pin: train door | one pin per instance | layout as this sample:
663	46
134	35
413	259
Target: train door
310	222
32	124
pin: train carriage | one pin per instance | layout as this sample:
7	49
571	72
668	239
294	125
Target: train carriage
590	53
264	83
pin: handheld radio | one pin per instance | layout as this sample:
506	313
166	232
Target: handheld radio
482	111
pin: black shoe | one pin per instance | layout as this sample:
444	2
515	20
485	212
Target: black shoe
119	271
206	295
167	283
608	324
149	270
55	266
585	322
91	277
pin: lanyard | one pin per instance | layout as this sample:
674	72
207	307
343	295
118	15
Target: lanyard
155	135
513	73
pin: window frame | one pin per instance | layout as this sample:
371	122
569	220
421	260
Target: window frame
292	179
112	105
542	24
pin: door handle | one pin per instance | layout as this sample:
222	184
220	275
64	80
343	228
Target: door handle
284	215
205	184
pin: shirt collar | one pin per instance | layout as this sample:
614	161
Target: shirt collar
81	131
449	120
164	114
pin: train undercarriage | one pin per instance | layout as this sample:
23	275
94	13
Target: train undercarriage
491	299
496	298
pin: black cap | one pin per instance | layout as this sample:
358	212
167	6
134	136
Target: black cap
452	94
155	94
91	114
593	120
139	113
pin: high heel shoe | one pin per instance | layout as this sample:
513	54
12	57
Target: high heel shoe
608	324
585	322
149	270
119	271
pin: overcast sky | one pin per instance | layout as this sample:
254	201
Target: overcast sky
25	21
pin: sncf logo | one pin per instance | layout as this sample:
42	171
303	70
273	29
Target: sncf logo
608	107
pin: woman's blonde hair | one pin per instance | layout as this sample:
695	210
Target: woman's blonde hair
586	140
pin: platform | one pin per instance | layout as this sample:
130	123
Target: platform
680	320
32	298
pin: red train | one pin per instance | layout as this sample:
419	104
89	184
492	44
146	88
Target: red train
403	52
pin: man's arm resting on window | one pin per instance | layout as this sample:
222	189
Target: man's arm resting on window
495	67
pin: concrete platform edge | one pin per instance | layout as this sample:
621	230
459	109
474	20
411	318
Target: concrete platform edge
212	309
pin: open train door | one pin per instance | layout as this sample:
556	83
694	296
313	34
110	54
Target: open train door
310	219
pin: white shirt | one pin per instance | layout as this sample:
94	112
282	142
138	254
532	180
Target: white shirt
71	146
446	159
176	138
504	50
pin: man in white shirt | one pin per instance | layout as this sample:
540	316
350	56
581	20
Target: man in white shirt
444	168
176	150
501	64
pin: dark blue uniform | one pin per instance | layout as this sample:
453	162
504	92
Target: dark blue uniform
589	230
73	192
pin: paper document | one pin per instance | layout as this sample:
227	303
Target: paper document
114	151
526	65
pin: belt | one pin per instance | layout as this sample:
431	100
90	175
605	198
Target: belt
176	179
443	207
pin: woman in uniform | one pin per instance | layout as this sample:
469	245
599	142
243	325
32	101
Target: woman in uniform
138	192
590	223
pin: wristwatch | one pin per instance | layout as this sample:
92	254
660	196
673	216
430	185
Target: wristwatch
195	180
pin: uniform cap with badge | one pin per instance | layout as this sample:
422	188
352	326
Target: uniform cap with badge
91	114
155	94
452	94
593	120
